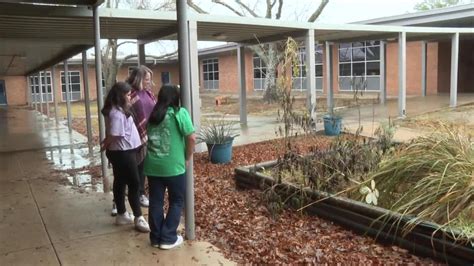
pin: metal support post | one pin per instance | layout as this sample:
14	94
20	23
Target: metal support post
55	99
185	80
329	76
68	96
47	92
423	68
141	53
402	73
242	84
100	97
310	49
453	92
40	85
383	73
85	80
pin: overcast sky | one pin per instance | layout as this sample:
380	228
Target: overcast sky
336	11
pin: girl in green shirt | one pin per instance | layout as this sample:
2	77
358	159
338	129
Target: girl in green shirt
171	142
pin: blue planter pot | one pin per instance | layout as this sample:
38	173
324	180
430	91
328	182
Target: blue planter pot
332	125
220	153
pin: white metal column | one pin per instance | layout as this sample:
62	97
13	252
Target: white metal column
329	76
85	79
40	85
68	96
194	71
423	68
141	53
311	76
383	74
47	94
53	90
29	94
453	92
402	75
35	95
242	84
185	82
100	96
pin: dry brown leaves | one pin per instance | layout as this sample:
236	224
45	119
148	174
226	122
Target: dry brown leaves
239	224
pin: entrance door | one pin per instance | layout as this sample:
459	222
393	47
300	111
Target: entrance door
3	93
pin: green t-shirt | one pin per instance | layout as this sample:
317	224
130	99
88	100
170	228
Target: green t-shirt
167	145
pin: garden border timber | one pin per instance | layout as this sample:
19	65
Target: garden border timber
424	240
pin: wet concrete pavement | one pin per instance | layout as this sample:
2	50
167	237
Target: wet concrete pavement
48	217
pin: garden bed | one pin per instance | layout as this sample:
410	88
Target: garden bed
425	239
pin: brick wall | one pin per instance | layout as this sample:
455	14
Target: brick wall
15	88
413	61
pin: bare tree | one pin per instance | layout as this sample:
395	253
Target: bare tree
434	4
270	53
110	63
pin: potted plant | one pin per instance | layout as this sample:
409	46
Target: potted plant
218	136
332	123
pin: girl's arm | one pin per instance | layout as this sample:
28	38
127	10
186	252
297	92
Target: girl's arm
104	145
190	143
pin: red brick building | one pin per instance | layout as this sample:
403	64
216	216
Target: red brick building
218	66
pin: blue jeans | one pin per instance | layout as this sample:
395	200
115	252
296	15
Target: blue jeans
163	230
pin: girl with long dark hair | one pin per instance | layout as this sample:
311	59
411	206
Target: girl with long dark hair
121	144
171	142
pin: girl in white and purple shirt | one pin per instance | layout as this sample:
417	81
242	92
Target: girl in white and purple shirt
121	144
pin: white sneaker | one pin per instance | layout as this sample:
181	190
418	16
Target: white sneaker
144	201
123	219
114	210
141	224
178	242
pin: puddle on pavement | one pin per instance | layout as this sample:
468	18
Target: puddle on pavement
76	164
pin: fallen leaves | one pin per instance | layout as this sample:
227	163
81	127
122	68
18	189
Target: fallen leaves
237	223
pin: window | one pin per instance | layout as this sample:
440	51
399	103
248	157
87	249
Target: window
74	85
359	66
46	84
259	73
299	77
319	66
210	71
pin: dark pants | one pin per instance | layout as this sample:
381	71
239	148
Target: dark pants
163	230
124	164
141	175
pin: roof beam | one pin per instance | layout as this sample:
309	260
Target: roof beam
46	11
157	35
275	37
59	2
66	54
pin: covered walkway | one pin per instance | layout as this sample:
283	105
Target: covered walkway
45	219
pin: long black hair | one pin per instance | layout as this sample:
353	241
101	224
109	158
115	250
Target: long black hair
117	98
167	97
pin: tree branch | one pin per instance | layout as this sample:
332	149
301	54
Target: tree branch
269	9
251	12
192	5
318	11
118	45
228	7
280	6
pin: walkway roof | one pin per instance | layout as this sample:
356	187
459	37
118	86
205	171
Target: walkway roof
35	37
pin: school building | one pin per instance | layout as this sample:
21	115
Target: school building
374	61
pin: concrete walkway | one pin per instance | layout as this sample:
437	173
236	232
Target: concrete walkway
261	128
46	220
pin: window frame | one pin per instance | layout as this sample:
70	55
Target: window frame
350	48
209	70
76	90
